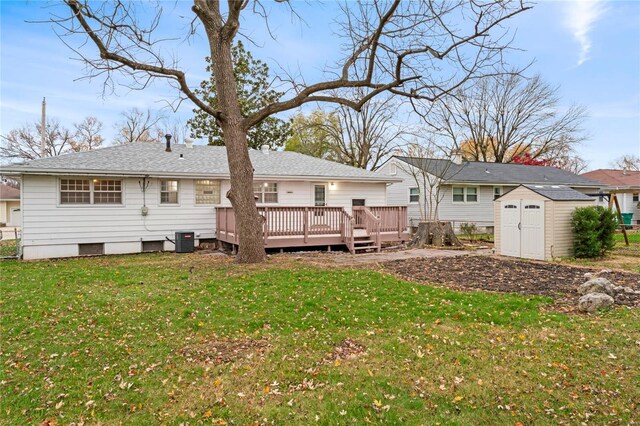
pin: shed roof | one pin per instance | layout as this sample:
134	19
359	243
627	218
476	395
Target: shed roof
200	160
497	173
558	193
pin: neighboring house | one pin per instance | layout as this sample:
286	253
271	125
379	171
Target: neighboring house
626	182
9	206
130	198
468	189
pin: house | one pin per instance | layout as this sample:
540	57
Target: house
626	184
9	206
133	198
466	190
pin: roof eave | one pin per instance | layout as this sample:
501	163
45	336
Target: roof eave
76	172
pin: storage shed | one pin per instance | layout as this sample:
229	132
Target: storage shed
534	221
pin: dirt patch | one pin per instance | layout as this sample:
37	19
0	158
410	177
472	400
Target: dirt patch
225	351
348	349
510	276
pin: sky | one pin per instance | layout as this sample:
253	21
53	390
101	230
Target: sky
589	49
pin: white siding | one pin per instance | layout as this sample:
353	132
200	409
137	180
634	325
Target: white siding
54	230
398	192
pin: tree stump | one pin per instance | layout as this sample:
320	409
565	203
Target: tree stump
435	234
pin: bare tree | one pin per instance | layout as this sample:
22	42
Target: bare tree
138	126
24	143
87	136
506	116
421	50
365	138
629	162
362	139
429	166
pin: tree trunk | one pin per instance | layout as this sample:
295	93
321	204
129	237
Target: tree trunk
248	220
436	234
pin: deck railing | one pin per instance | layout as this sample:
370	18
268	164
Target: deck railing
307	222
392	218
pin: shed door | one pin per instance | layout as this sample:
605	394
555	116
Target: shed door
522	229
532	233
510	228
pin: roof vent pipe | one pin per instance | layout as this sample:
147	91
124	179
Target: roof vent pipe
188	143
168	138
456	156
265	149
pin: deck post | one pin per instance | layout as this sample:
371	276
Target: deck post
399	230
305	224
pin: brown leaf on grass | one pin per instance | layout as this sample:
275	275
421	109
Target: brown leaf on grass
348	349
215	351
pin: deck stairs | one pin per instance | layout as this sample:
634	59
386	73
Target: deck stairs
362	240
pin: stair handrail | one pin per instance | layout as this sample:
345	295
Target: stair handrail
347	231
372	225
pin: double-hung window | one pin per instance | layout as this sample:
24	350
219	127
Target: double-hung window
168	191
265	192
414	195
90	191
465	194
107	191
207	192
75	191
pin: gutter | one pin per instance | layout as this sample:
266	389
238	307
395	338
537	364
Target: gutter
58	172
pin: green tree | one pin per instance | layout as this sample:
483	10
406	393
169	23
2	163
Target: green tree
254	93
311	135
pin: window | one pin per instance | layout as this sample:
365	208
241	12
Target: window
107	191
531	206
358	202
168	192
207	192
393	169
465	194
635	198
458	194
497	192
472	195
75	191
414	195
90	191
265	192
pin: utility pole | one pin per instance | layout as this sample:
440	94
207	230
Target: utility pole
43	133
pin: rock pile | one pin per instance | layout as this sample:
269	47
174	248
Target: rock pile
599	292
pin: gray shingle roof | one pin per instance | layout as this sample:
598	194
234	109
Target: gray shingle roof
559	193
497	173
201	160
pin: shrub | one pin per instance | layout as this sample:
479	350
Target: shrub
593	229
469	230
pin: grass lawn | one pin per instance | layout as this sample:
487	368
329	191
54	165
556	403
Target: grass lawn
171	339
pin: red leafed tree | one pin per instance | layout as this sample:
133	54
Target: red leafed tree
528	160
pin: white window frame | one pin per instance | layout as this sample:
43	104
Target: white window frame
160	191
418	194
92	181
212	181
393	169
262	192
465	194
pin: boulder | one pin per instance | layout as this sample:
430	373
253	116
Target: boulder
593	301
597	285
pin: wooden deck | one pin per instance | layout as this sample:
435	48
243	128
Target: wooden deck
365	229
